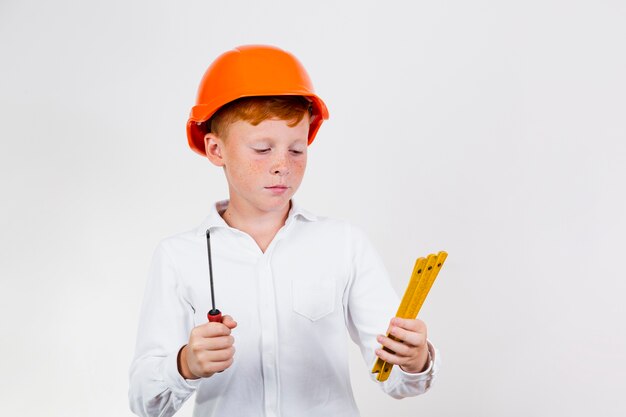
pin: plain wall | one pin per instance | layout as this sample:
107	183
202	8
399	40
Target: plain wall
494	130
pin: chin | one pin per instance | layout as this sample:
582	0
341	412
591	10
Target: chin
277	203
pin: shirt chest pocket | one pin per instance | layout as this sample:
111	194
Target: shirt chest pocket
313	298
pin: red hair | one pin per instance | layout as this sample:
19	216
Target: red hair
256	109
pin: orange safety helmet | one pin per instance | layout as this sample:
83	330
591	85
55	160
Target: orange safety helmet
248	71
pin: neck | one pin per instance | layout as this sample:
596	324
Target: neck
256	224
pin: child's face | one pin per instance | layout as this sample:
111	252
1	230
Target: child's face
264	164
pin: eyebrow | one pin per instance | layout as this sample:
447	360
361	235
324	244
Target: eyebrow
271	141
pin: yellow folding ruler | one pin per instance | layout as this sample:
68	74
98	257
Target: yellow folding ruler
424	273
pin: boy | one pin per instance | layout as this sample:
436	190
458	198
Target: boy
294	281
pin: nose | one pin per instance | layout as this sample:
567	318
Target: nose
280	165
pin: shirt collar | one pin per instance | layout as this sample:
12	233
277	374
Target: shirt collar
215	220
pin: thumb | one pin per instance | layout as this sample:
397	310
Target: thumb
229	322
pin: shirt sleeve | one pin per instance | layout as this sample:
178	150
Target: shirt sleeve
369	304
165	322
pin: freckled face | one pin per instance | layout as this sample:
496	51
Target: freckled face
264	164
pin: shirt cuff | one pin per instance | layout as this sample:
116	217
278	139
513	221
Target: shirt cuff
425	373
174	379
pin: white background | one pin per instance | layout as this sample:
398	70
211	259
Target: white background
493	130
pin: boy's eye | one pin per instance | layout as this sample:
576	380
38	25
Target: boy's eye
265	150
296	152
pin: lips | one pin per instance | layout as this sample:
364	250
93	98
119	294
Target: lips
277	189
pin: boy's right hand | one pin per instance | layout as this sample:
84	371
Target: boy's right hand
210	350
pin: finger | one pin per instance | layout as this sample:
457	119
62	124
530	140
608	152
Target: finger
210	368
229	322
391	358
408	337
216	355
213	343
415	325
399	348
199	346
222	366
211	329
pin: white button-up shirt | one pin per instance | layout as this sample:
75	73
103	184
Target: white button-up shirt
293	304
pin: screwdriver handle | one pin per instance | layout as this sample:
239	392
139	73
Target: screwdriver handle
214	316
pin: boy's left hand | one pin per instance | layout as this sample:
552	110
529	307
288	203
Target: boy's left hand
411	351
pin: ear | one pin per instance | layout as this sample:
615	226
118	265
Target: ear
213	147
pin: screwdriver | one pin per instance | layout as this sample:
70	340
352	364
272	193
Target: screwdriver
214	315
